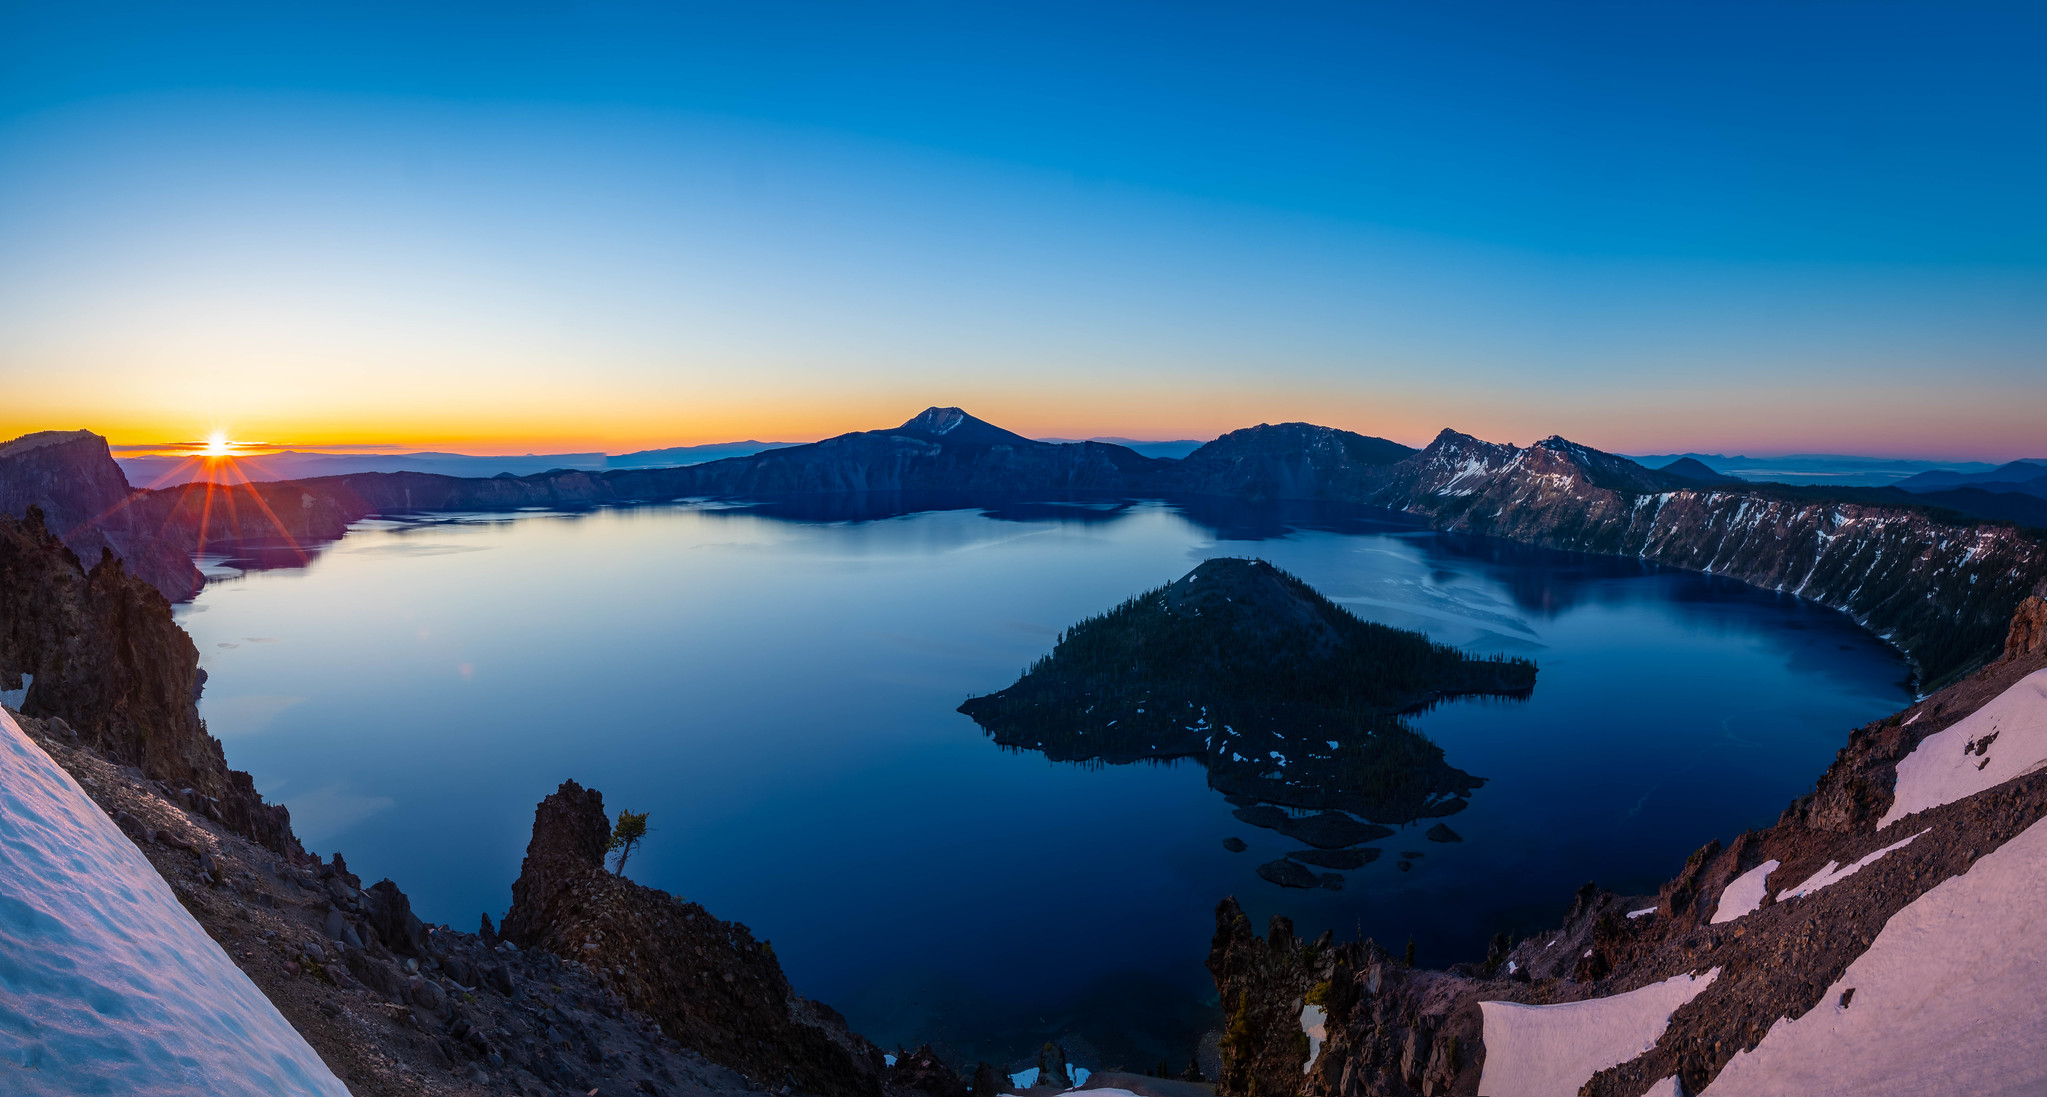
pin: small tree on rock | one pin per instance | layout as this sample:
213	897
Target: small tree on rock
626	836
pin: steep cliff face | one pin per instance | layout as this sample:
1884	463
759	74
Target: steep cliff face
708	982
1875	923
106	658
1941	591
71	476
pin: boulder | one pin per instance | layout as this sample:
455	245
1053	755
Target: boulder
924	1071
392	918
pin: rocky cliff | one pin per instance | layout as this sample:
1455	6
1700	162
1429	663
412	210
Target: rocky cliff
707	982
1871	894
71	476
1939	588
104	659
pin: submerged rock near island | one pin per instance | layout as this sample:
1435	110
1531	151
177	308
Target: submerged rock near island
1289	700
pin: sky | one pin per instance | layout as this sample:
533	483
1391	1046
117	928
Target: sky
1649	227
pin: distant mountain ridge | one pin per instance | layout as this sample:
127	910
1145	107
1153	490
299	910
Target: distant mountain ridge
1693	469
1912	568
1838	469
2027	477
169	470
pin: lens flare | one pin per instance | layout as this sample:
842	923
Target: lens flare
218	445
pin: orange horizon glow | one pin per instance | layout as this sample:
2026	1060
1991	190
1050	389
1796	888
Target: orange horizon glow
1709	419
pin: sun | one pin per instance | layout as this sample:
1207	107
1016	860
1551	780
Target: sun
218	445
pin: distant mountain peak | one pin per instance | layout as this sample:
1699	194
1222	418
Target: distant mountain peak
936	420
1691	468
955	425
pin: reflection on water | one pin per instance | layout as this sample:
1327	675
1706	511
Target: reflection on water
777	686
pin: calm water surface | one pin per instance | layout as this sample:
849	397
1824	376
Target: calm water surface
779	693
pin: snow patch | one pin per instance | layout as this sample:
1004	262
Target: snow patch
1834	873
1025	1079
2006	738
1668	1087
1314	1022
1946	999
1643	913
13	698
887	1059
1543	1051
1744	894
107	985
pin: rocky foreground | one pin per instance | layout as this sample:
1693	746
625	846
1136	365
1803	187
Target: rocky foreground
1914	877
598	986
687	1004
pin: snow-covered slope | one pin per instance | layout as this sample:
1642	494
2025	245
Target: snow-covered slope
1948	999
1549	1051
107	985
1990	746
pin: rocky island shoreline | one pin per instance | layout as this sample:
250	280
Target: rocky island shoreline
1288	701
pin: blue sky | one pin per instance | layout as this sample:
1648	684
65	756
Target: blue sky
1650	227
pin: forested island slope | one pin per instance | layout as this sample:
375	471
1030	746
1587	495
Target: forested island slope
1286	697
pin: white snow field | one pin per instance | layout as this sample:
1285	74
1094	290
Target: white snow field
1835	872
1315	1026
1948	999
107	985
1744	894
1549	1051
2006	738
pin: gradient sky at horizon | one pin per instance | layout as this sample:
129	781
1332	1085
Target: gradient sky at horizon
1759	228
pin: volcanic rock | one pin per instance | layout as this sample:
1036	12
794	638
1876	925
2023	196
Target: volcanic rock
708	982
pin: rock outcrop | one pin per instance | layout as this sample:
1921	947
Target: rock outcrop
103	657
707	981
1764	926
86	500
2027	635
394	1008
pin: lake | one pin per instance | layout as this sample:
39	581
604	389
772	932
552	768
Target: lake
777	686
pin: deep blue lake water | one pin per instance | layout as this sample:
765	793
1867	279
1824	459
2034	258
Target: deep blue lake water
779	693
